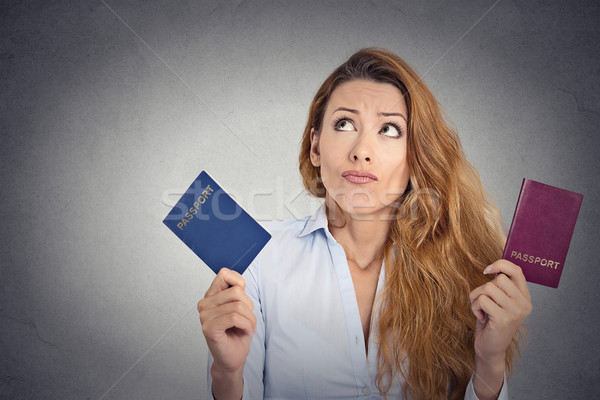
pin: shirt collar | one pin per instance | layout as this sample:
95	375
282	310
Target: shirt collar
317	221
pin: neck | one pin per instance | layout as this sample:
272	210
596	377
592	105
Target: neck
362	237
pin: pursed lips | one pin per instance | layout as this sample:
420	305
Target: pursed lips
359	177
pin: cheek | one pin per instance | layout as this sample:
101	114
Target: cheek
397	175
401	174
394	157
401	170
327	170
332	154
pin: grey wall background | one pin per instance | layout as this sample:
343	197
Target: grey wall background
111	108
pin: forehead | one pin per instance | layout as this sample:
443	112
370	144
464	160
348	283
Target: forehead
368	96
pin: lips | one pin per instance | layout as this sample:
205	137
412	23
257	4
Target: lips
358	177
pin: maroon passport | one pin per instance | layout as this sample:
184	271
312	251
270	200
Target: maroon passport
541	230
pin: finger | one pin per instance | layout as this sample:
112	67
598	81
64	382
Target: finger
478	311
232	320
485	306
508	287
224	279
521	306
232	294
229	308
511	270
492	291
513	309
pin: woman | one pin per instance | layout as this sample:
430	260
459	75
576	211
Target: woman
394	288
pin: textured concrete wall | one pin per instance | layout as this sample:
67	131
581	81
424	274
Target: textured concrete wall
109	109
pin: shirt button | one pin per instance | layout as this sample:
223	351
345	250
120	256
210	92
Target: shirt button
366	390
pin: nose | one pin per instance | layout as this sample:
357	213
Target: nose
363	149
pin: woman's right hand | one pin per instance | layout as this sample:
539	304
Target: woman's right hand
228	321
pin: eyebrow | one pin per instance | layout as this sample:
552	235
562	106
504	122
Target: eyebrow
381	114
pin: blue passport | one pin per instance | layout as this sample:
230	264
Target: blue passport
215	227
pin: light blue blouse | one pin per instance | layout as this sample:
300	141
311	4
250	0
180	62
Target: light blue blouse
309	342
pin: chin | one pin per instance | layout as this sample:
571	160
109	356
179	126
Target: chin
362	210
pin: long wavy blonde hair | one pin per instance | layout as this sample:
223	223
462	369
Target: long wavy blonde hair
445	232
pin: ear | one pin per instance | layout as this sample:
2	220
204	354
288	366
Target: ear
315	153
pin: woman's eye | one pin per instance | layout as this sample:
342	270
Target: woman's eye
391	131
344	125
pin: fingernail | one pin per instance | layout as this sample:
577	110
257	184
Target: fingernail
487	269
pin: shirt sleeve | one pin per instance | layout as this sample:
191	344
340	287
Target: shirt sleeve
470	392
254	366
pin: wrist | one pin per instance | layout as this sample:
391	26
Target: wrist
222	372
494	364
227	383
488	377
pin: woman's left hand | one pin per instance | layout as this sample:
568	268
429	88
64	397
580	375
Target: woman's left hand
500	306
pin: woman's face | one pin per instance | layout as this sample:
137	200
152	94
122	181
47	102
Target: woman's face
361	148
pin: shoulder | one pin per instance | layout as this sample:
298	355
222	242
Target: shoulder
291	240
286	236
297	228
286	229
284	240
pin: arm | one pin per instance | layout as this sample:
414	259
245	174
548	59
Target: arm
228	325
470	392
500	306
488	378
251	374
227	384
